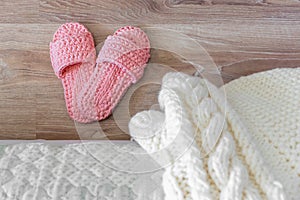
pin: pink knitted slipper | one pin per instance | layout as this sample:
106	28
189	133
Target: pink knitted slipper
73	56
120	63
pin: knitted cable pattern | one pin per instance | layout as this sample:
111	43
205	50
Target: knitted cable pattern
210	122
232	169
190	177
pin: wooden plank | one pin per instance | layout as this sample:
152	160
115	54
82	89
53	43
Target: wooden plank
19	11
167	11
17	104
241	37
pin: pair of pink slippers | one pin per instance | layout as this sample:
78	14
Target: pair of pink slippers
93	87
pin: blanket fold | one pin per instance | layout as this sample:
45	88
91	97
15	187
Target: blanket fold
216	148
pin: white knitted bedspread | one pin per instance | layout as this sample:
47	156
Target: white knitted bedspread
37	171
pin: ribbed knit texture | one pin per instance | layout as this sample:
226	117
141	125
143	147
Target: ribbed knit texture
248	151
269	105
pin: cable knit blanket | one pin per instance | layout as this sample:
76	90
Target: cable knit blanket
244	148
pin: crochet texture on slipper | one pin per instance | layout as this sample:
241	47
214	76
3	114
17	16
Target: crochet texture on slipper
248	151
120	63
92	92
73	57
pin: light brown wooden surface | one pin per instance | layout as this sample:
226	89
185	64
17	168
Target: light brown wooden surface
242	37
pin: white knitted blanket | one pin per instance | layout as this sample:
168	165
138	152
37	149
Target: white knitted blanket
39	171
246	148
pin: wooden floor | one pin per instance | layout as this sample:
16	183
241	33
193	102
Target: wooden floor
241	36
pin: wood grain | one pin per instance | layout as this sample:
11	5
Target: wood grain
241	37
